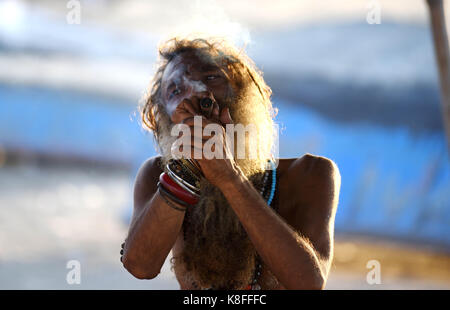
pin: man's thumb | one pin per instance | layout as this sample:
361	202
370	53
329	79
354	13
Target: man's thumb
225	116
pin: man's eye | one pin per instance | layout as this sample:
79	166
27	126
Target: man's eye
175	92
212	77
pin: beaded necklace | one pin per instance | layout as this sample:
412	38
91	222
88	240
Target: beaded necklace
268	197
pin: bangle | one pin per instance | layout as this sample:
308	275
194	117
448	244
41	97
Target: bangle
121	251
170	204
186	173
164	195
176	190
168	198
164	191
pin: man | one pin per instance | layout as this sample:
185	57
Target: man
231	238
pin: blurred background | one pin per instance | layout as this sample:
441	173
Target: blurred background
363	94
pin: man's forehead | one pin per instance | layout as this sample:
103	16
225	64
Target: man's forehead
175	64
189	61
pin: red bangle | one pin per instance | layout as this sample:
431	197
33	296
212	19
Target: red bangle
176	189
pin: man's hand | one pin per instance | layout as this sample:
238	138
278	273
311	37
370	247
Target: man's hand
217	162
216	169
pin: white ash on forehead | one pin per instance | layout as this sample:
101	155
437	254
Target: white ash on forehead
196	86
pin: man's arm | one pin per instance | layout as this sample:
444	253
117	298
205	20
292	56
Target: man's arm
154	227
298	253
316	202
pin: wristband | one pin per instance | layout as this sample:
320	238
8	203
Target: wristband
168	198
176	190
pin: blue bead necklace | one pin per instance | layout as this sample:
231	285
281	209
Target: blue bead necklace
274	183
268	198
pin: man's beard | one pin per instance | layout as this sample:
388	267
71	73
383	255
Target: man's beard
217	251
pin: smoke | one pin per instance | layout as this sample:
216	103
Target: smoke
206	18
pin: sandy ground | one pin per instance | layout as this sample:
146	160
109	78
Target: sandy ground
51	215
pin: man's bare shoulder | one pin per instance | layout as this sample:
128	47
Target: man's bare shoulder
146	181
313	180
314	184
312	166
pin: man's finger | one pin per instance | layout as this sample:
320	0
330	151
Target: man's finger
225	116
190	151
215	112
184	110
204	121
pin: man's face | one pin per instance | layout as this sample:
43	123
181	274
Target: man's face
187	75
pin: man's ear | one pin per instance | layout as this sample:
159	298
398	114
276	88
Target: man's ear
225	116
